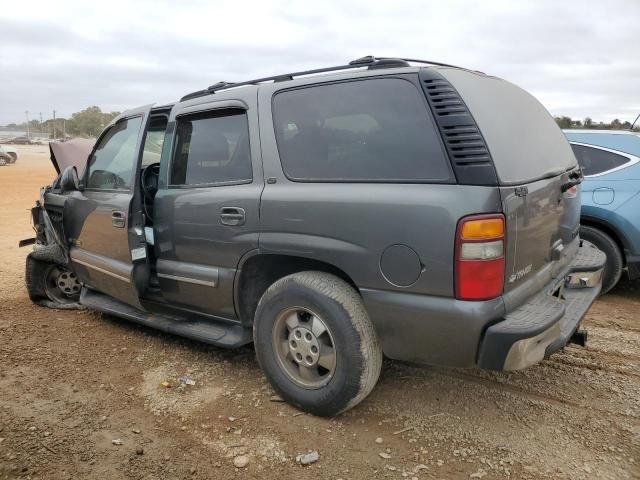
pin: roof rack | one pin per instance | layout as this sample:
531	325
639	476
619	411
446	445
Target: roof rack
369	61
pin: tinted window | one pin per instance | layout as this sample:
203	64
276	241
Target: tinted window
371	130
621	141
595	161
523	138
111	166
211	148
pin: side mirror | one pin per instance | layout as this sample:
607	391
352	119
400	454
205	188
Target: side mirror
69	180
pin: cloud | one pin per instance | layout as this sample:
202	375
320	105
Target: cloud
578	57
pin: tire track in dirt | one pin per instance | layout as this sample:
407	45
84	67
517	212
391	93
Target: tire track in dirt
542	397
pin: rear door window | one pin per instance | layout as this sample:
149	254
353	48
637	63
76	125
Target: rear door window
212	148
595	160
358	131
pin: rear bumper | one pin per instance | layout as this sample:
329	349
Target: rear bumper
545	324
445	331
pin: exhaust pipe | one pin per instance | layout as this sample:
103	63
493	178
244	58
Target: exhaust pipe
579	337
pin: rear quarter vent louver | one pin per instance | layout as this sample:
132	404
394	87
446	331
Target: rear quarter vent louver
468	152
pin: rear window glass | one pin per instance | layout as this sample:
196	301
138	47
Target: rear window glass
525	142
370	130
595	161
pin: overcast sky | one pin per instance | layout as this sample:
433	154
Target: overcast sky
579	58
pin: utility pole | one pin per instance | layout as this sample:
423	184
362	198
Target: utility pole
27	114
64	128
54	124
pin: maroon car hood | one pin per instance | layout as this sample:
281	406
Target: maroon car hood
71	153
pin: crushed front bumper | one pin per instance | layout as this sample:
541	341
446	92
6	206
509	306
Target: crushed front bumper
545	324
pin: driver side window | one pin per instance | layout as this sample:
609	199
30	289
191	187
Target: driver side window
112	162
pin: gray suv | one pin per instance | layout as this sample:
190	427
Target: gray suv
427	213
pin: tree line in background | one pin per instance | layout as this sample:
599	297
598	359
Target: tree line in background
85	123
91	121
568	122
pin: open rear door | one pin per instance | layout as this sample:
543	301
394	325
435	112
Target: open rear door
103	221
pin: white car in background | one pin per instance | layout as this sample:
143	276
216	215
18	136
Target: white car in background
8	155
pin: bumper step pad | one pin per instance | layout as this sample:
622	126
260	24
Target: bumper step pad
545	323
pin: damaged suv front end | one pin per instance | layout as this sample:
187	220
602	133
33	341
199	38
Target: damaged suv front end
50	281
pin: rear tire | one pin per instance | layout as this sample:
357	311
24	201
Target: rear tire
316	344
5	159
615	263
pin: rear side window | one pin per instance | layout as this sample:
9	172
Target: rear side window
369	130
595	161
212	148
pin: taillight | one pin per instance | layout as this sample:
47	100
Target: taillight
571	192
479	257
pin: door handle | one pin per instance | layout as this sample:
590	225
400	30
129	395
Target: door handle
118	219
232	216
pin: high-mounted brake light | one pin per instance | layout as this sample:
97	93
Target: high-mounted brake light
479	257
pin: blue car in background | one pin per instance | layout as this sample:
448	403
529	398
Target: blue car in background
610	216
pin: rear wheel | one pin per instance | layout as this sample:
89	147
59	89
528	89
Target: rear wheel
316	344
615	262
5	159
51	284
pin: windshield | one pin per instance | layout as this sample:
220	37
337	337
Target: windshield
153	146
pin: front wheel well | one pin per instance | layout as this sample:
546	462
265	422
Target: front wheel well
260	271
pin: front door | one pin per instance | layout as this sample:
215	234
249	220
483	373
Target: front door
103	221
206	211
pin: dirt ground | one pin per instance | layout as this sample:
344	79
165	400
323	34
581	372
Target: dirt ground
73	382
